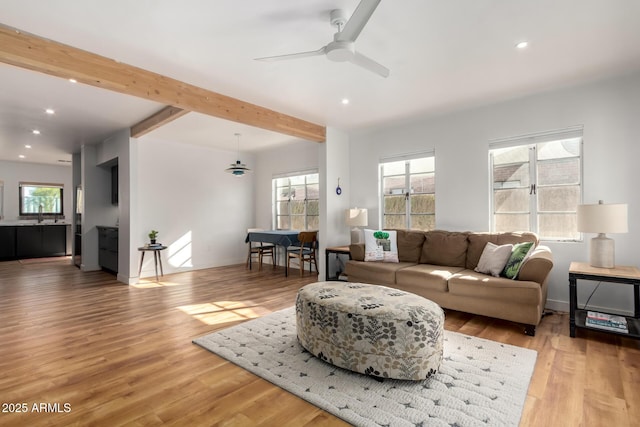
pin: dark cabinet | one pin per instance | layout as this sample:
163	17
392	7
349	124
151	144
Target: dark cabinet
108	248
7	242
114	185
36	241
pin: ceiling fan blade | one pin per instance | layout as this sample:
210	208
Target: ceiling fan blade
358	20
370	64
320	51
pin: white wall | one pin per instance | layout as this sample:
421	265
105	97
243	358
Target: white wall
609	111
292	157
201	212
334	166
96	207
14	172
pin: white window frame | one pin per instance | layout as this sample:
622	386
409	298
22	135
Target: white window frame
407	176
274	193
532	141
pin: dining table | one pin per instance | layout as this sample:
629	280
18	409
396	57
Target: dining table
282	238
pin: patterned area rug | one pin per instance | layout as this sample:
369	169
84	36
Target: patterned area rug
480	382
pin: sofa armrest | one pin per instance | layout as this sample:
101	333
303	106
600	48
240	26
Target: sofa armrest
357	252
537	266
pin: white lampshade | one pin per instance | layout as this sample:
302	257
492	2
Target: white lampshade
357	217
602	219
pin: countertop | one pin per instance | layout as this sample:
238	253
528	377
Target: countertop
31	223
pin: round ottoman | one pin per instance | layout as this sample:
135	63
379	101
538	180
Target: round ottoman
371	329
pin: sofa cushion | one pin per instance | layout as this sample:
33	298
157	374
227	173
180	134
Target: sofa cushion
374	250
410	245
493	259
472	284
477	242
426	276
382	273
518	256
448	248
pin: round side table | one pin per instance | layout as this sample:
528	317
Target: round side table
157	259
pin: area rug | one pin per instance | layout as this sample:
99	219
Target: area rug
480	382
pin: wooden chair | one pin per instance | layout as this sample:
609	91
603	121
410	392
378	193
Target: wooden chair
259	250
306	252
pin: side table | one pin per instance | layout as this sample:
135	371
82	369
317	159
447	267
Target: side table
337	250
618	274
157	259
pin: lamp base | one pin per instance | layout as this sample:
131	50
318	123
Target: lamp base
357	236
602	252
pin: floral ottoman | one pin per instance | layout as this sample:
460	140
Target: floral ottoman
371	329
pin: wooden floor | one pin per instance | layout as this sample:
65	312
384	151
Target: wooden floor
97	352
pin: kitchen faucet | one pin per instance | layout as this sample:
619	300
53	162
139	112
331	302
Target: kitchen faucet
39	214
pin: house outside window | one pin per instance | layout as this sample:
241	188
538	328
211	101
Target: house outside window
537	184
296	202
408	193
33	196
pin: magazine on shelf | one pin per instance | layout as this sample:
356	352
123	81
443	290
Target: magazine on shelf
609	322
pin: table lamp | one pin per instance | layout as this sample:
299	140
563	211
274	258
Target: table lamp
356	218
602	219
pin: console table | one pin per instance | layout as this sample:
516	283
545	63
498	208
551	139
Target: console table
338	250
619	274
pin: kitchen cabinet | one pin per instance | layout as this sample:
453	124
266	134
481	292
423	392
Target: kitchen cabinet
114	185
108	248
7	243
37	241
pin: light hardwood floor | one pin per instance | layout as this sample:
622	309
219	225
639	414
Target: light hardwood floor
122	355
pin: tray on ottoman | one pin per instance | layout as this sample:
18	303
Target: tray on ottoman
371	329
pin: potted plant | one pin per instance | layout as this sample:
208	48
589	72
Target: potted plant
382	239
152	236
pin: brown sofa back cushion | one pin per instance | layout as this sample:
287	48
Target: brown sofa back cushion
410	245
445	248
477	242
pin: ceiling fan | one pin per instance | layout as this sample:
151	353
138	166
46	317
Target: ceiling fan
342	48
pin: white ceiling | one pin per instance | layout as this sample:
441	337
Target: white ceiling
443	56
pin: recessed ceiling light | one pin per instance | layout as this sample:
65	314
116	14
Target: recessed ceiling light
27	146
73	80
522	45
345	101
21	156
36	132
50	111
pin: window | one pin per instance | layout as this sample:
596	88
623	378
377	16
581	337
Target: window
34	195
408	194
537	184
297	201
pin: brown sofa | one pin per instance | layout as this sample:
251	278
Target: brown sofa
439	265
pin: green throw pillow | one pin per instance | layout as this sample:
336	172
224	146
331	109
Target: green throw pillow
518	254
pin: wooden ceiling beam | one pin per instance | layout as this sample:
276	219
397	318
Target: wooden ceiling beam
161	118
46	56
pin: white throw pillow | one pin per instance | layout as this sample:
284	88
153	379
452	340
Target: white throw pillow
373	251
493	259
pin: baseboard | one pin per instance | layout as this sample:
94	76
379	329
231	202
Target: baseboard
556	305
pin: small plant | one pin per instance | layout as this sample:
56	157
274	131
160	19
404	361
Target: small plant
382	235
153	234
382	239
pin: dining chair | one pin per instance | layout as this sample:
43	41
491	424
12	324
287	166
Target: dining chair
306	252
259	250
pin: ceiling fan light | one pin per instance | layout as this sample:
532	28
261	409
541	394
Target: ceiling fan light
340	51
